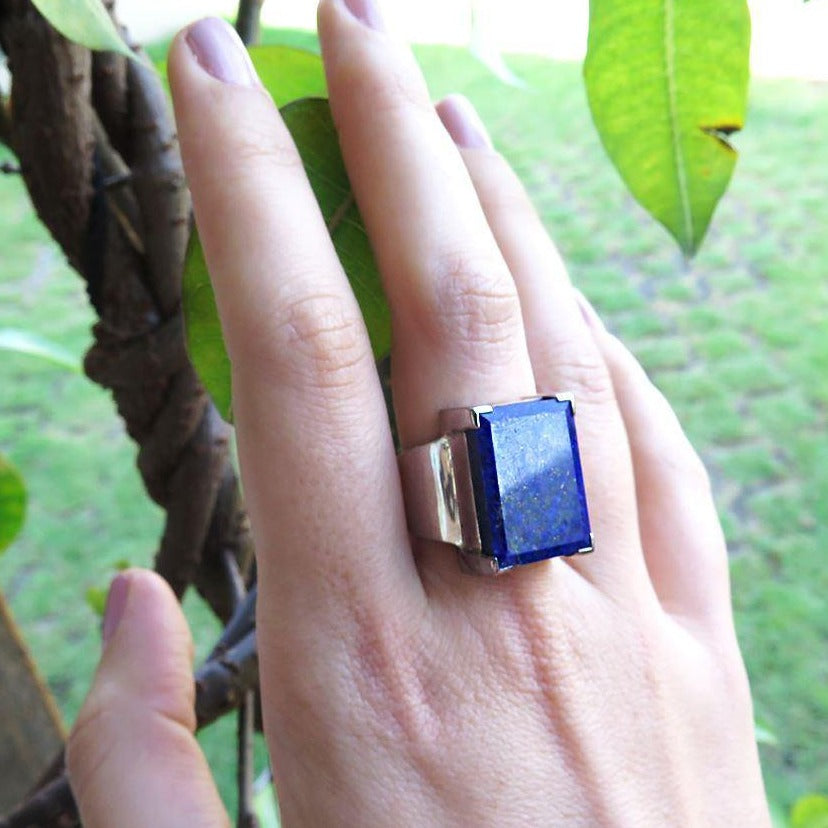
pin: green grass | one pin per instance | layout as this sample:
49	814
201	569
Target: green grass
735	338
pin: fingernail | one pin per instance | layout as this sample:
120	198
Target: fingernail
463	123
115	605
588	312
220	52
366	12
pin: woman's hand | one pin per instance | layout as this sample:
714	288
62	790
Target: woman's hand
606	690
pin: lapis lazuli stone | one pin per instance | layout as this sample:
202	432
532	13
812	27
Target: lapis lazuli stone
528	483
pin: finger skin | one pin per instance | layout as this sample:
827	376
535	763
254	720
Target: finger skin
132	757
458	331
684	546
316	453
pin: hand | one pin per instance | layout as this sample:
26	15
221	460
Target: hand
396	690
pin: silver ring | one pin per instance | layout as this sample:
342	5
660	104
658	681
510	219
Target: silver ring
503	484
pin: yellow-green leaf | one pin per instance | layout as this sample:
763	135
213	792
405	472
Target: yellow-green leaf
810	811
667	84
86	22
12	503
96	599
289	73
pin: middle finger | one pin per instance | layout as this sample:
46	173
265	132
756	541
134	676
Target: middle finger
457	323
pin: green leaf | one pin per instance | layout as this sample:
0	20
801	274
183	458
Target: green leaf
31	344
810	811
86	22
12	503
205	342
289	73
96	599
667	84
310	122
312	127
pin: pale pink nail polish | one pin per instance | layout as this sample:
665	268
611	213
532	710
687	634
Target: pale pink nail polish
115	605
219	51
463	123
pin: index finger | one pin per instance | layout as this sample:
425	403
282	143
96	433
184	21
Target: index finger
317	457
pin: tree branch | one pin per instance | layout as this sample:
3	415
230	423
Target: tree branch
51	807
246	816
222	684
80	125
5	123
247	21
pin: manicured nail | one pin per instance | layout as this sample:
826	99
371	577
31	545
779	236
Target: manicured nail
366	12
588	312
463	123
115	605
220	52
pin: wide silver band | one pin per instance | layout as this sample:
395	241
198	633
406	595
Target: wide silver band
439	495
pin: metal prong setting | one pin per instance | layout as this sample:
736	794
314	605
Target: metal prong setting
462	419
587	549
570	398
477	564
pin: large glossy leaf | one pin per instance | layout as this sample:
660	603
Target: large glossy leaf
12	503
312	127
84	21
289	73
204	339
310	122
667	83
31	344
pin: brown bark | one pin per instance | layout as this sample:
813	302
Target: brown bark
247	20
99	155
30	728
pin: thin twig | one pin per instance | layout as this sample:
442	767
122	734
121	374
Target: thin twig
246	817
221	685
51	807
247	21
5	122
240	624
234	577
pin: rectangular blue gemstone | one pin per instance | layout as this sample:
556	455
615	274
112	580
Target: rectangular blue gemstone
528	483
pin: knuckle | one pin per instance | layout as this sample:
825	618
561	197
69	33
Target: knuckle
322	341
389	86
474	301
579	368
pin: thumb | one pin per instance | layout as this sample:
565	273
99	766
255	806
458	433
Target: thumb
132	757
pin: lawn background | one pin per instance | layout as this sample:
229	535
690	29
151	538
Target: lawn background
736	339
